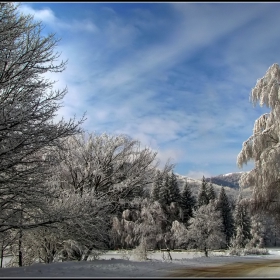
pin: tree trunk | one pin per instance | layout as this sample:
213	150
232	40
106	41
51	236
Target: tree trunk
87	254
2	254
20	249
206	252
168	250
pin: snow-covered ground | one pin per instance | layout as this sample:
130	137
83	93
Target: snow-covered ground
117	264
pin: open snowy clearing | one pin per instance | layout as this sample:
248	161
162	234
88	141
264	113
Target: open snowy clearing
184	264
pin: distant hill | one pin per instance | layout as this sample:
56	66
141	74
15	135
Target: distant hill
227	180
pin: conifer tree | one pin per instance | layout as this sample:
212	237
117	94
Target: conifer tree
210	192
203	198
164	191
157	186
226	211
242	225
174	192
187	203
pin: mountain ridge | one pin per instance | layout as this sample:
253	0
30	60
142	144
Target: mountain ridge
229	181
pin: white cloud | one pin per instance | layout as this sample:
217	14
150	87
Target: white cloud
47	16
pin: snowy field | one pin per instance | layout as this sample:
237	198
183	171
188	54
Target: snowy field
117	264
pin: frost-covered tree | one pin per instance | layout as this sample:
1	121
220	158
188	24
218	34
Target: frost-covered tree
178	234
123	227
28	105
242	224
150	227
257	232
187	204
263	147
224	207
170	200
116	167
206	229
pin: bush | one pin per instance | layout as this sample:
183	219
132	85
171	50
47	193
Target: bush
248	251
256	251
126	254
95	254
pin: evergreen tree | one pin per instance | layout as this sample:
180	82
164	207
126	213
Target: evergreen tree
174	191
210	192
203	198
226	211
164	191
157	186
187	203
242	225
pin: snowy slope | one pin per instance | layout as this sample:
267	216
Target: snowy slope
230	179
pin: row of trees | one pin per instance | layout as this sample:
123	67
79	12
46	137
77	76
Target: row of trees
172	219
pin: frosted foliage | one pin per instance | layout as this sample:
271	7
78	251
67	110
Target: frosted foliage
178	233
205	231
267	87
263	147
106	165
137	226
149	226
257	232
28	105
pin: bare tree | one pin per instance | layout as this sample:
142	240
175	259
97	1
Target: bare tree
263	147
28	106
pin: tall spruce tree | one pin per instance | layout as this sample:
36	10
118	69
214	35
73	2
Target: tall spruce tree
174	191
210	192
164	191
157	186
242	225
226	211
203	198
187	204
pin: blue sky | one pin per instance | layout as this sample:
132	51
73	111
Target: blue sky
175	76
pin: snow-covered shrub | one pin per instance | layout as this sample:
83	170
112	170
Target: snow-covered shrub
71	251
126	254
256	251
95	254
234	251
